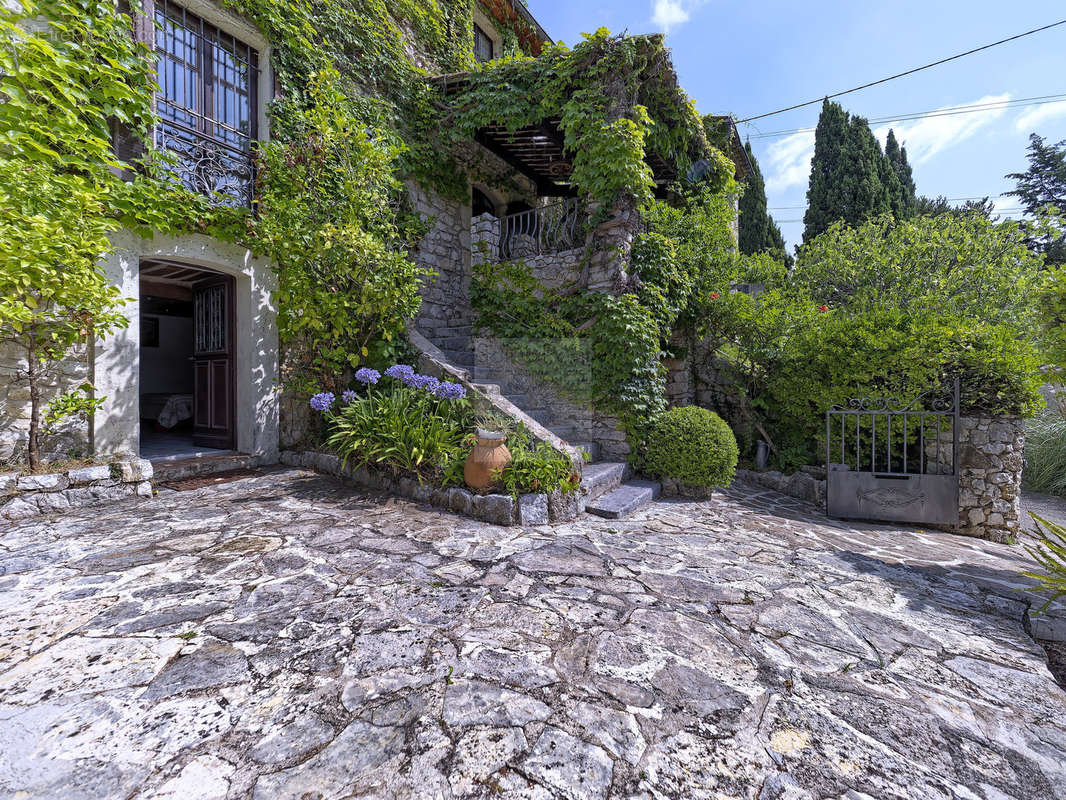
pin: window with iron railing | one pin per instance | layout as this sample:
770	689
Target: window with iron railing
482	44
207	104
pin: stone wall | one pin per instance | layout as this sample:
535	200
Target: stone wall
26	496
445	316
71	437
990	476
546	403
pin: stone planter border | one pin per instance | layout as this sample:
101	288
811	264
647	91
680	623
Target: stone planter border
498	509
25	496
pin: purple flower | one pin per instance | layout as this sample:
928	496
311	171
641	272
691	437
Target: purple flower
348	396
400	371
450	391
427	382
367	376
322	401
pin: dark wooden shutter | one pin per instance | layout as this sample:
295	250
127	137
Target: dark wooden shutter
126	146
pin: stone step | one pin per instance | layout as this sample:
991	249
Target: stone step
627	498
173	469
605	476
520	400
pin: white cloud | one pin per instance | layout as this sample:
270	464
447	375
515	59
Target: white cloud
667	14
929	135
788	161
1031	117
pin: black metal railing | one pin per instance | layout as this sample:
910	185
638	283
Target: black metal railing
548	229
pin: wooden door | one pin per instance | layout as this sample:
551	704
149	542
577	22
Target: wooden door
213	392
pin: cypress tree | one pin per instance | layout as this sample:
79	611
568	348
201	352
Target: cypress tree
758	231
825	197
850	177
753	218
870	178
905	197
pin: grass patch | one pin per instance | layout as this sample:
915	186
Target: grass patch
1045	454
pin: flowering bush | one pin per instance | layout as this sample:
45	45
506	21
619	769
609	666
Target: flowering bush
418	425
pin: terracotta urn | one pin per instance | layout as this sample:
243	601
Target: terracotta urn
489	456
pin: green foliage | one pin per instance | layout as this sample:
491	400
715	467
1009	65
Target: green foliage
887	309
851	178
76	402
331	202
403	430
1049	553
956	264
536	467
1045	453
617	99
903	198
596	348
692	445
62	84
1052	309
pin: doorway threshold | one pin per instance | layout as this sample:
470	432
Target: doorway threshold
172	468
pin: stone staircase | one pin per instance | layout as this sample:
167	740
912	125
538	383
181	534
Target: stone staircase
610	491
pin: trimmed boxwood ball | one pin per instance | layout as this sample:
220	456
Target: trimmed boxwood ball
692	445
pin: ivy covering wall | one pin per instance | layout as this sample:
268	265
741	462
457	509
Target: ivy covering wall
353	117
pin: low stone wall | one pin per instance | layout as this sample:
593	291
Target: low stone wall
26	496
498	509
807	484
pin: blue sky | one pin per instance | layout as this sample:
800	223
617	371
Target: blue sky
747	58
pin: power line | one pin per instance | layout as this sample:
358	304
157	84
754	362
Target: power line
947	111
949	199
908	72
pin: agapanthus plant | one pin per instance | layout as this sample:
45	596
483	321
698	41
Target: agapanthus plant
323	401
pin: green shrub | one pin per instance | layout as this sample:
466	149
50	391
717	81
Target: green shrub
1045	454
1050	553
535	467
692	445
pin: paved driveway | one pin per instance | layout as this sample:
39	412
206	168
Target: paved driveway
278	637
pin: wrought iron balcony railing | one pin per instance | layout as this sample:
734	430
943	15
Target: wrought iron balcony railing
548	229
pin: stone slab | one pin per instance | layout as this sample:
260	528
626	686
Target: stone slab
623	501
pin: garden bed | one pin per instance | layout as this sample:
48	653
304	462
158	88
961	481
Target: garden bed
498	509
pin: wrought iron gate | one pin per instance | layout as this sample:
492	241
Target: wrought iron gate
886	460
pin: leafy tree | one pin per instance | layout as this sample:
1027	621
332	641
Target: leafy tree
904	200
933	207
63	86
850	179
758	231
1043	185
964	264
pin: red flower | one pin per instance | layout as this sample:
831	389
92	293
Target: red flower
823	308
715	295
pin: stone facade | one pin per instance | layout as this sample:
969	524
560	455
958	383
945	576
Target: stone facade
26	496
553	270
990	476
71	437
445	316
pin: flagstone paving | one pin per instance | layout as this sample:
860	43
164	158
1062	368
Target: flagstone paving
281	637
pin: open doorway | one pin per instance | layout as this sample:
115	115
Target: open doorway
186	361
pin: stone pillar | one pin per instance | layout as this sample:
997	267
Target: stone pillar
990	476
609	245
484	239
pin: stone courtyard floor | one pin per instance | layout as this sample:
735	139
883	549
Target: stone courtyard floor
281	637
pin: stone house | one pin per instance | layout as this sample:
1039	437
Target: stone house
195	374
